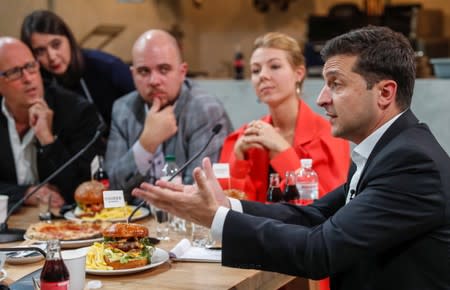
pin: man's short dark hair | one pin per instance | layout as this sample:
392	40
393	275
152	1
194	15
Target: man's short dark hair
382	54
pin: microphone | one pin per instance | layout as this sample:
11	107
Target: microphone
215	130
12	235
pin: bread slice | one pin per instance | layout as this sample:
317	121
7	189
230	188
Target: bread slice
134	263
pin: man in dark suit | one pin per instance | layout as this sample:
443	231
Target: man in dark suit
388	227
39	130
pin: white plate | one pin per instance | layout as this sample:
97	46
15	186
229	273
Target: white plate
159	257
25	260
30	257
3	275
73	243
143	213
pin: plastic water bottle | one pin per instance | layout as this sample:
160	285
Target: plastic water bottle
169	169
307	182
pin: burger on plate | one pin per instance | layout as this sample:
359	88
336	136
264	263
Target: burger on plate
89	198
127	245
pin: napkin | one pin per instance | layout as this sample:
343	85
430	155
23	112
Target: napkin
184	251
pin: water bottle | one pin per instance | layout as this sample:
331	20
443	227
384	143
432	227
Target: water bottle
274	193
307	182
169	169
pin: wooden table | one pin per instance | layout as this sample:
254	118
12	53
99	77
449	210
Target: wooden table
170	275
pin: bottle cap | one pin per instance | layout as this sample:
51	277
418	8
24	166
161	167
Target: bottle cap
169	158
307	163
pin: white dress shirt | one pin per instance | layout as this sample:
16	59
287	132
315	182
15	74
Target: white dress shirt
24	151
359	155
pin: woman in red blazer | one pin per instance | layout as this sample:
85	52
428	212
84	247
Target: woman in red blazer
291	131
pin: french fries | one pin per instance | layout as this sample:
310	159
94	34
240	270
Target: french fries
113	213
95	258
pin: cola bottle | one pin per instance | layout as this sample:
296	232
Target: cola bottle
54	275
101	174
238	64
274	193
291	194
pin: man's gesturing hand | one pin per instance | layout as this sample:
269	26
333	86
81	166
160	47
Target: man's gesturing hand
197	203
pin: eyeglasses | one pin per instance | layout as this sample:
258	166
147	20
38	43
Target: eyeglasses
17	72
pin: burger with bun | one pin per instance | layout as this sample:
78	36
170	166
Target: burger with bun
89	198
126	245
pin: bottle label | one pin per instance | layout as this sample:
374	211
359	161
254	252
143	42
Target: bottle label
305	201
296	201
63	285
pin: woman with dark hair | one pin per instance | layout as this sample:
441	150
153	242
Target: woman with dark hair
98	76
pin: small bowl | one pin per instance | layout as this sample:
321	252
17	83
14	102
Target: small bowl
441	67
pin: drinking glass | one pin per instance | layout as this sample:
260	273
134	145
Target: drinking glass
44	203
162	229
201	236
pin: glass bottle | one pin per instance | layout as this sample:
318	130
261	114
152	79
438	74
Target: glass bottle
307	182
274	193
238	64
54	275
101	174
290	191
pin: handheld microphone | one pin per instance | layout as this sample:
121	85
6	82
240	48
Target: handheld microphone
11	235
216	129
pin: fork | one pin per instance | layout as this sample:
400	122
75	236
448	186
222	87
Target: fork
2	260
36	284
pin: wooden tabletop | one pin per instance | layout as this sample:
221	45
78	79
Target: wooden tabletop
170	275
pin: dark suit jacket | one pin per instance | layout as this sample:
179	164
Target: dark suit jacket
74	123
395	234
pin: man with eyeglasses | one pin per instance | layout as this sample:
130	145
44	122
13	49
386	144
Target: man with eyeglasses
167	114
40	130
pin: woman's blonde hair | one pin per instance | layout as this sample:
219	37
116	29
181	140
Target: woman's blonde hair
284	42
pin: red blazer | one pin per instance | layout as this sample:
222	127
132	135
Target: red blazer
331	157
